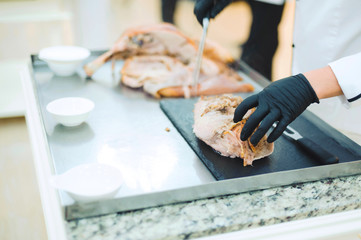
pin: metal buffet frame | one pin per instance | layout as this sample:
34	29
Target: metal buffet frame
83	142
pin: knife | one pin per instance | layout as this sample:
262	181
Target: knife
320	154
200	55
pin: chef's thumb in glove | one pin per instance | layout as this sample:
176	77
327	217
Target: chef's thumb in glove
282	101
209	8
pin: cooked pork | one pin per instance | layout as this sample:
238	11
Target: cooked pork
213	124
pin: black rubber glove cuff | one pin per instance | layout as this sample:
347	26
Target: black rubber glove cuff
282	101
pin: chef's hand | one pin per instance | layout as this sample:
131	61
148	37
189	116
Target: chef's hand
282	101
209	8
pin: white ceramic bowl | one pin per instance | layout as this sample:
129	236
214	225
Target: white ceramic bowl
64	60
70	111
89	182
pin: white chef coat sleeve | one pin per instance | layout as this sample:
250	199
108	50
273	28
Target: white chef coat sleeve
348	73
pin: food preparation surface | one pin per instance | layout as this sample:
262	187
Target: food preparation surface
287	154
127	129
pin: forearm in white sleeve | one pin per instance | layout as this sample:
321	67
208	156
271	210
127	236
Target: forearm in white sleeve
348	73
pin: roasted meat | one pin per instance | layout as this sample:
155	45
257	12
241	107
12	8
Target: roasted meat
213	124
161	59
139	70
164	76
156	39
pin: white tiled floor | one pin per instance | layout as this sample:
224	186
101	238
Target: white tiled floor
97	27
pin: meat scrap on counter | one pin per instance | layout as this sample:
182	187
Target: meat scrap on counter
213	124
161	59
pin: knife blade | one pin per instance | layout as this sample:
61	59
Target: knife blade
320	154
200	55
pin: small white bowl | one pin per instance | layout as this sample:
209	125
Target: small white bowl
89	182
70	111
64	60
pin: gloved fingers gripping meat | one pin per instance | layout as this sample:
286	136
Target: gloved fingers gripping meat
213	124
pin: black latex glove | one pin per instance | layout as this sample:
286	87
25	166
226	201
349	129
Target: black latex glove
209	8
282	101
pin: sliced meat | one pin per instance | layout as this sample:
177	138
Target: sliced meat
163	76
213	124
156	39
161	59
208	85
138	70
216	52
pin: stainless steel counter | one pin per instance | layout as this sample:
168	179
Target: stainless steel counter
127	129
237	212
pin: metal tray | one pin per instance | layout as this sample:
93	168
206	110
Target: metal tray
127	130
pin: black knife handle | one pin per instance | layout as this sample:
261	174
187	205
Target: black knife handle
319	153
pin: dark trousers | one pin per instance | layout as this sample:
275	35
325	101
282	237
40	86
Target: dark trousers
259	49
168	8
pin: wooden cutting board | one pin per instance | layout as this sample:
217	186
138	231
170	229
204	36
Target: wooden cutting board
286	156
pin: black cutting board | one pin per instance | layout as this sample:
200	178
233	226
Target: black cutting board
286	156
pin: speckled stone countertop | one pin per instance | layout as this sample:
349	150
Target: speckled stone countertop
226	213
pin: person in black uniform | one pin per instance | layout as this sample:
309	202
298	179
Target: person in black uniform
168	9
259	49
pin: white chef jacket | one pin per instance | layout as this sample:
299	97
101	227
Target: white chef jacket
325	32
